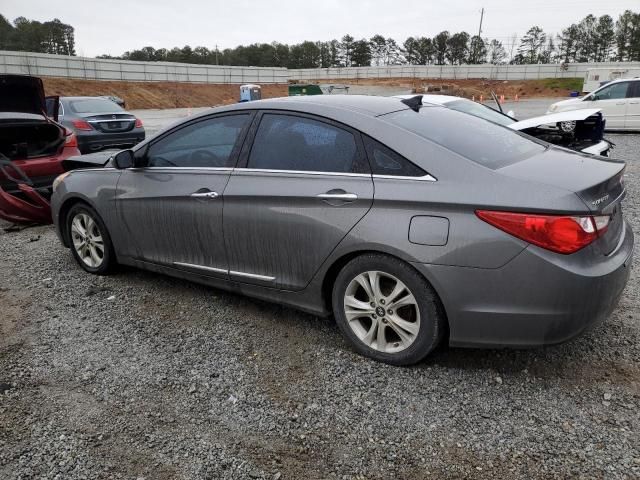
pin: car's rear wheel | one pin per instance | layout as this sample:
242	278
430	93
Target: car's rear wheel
387	310
89	239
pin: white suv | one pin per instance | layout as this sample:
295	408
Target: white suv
619	101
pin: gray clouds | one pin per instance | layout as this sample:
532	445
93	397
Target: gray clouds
117	25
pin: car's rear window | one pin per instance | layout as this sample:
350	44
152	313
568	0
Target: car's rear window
483	142
479	110
94	105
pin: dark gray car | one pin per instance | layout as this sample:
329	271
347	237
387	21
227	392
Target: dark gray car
409	223
99	123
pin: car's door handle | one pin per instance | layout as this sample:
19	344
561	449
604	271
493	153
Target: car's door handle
634	103
205	195
348	197
620	103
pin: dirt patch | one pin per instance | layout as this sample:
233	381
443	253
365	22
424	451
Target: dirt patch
543	88
139	95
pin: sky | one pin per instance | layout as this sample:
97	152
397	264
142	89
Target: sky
115	26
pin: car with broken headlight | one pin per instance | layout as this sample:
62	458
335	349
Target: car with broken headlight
376	210
580	130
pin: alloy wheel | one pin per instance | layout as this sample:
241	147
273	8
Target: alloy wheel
382	311
568	126
87	240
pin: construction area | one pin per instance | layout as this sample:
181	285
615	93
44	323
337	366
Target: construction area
159	95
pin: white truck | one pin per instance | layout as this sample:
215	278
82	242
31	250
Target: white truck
596	77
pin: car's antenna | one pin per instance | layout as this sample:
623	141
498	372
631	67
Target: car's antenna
414	103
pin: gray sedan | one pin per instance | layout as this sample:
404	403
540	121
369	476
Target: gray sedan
412	224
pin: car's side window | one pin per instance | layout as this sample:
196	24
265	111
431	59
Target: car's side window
385	161
205	144
634	90
290	142
612	92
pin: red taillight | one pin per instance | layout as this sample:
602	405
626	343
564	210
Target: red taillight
138	123
81	125
558	233
71	140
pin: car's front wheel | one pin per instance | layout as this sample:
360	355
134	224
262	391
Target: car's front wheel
387	310
90	242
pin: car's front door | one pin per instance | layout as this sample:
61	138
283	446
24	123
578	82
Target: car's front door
172	206
612	99
632	120
304	183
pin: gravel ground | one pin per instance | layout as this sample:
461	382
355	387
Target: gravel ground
137	375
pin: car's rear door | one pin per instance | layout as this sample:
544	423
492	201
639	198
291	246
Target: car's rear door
302	183
632	119
172	207
612	99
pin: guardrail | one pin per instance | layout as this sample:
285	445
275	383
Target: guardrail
46	65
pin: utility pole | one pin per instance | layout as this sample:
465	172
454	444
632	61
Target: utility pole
481	18
216	54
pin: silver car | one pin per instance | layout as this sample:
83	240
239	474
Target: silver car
410	223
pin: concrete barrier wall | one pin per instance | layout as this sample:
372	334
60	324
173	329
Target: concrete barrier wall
45	65
496	72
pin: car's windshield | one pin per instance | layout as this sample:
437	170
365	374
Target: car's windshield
483	142
94	105
479	110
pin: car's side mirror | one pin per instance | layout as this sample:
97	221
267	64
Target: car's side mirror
511	113
123	159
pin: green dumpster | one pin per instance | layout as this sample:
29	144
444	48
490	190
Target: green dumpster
297	89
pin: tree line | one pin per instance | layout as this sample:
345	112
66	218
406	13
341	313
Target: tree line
33	36
591	39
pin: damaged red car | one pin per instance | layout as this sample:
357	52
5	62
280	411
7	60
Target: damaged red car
33	148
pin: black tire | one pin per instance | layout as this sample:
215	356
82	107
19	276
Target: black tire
430	313
108	258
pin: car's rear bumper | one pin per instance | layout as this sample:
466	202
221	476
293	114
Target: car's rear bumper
95	141
532	300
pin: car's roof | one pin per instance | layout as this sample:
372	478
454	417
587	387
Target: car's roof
367	104
618	80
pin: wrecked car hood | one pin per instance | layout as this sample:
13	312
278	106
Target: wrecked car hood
89	160
22	94
573	115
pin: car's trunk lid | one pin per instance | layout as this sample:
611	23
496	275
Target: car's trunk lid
597	181
112	122
22	94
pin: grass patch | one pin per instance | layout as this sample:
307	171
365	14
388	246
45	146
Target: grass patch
563	83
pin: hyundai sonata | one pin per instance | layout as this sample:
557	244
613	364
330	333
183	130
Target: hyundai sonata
410	223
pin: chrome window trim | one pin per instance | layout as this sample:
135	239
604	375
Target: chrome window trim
252	275
201	267
248	171
183	169
112	120
424	178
